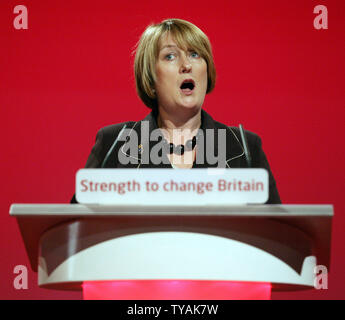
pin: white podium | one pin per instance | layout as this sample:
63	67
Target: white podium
70	245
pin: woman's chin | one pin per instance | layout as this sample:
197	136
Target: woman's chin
189	108
190	104
183	105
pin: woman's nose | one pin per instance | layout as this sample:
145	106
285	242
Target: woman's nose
186	65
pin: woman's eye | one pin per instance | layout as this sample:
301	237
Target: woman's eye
170	56
194	54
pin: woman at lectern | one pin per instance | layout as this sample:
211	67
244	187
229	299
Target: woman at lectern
174	70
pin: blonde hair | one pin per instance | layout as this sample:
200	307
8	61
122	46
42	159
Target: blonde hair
186	35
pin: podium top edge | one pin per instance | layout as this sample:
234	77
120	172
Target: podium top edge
22	210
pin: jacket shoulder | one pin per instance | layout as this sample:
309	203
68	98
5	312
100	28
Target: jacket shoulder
104	139
114	129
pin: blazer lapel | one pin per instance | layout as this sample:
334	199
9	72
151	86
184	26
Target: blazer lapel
143	129
232	148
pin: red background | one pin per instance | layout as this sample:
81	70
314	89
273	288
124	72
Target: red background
71	73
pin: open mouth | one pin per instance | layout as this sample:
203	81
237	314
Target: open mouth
187	86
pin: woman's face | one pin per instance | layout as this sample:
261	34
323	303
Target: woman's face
181	77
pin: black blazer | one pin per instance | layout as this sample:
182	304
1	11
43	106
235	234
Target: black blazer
234	151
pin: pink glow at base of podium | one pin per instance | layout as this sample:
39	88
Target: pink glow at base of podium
175	290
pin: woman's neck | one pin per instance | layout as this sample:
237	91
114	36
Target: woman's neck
187	126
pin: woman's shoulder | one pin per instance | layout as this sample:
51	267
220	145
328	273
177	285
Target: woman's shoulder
107	135
112	129
104	139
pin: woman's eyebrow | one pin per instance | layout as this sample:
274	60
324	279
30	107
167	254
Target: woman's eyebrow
169	46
